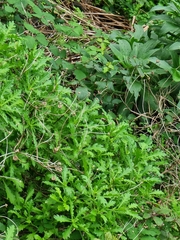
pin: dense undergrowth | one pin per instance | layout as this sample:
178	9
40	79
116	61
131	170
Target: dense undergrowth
138	8
89	127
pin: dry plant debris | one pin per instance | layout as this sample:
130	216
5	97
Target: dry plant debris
93	17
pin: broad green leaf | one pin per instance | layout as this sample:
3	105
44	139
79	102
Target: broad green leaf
80	75
37	10
42	39
101	85
175	74
82	92
110	85
62	54
125	47
140	71
9	9
164	83
2	227
158	221
30	28
78	30
175	46
30	42
135	89
148	238
147	49
175	58
118	52
169	27
161	63
138	33
67	66
160	8
104	218
12	1
47	17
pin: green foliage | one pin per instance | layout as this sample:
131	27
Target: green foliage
129	72
138	8
68	170
45	14
10	233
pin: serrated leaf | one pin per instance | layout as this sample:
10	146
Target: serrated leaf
157	192
133	205
10	232
29	193
62	218
69	191
10	195
125	199
66	234
102	200
82	211
98	148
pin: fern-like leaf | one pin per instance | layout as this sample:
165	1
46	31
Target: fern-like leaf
10	233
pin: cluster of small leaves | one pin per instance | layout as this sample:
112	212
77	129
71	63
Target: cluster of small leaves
68	170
